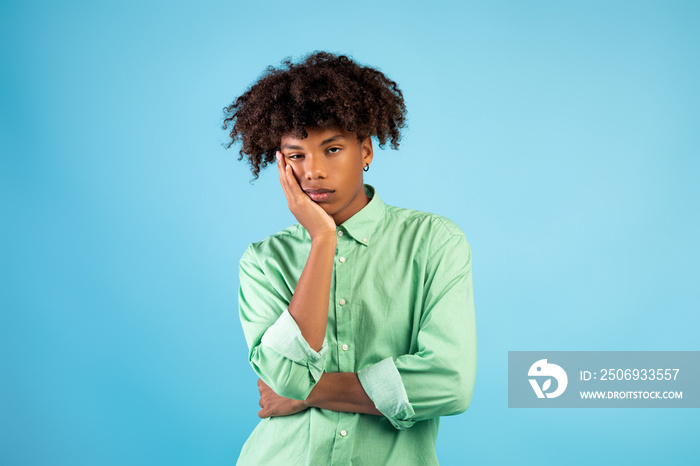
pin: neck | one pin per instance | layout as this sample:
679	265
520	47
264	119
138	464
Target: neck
357	204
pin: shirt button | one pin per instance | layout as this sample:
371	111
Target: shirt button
364	240
343	432
340	232
345	347
341	302
342	259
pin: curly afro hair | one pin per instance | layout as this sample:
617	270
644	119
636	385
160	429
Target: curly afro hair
323	90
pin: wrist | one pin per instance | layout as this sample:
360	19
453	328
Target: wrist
326	239
311	401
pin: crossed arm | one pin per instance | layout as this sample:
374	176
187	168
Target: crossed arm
340	391
436	379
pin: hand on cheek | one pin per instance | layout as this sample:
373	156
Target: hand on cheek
309	214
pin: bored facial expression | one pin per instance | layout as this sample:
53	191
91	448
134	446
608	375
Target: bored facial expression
328	167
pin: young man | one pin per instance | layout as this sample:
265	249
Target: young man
360	318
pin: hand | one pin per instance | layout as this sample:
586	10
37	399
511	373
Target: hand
274	405
311	215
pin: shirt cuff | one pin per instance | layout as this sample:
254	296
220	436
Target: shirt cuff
285	338
382	383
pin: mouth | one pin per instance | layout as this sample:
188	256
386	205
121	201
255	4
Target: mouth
319	195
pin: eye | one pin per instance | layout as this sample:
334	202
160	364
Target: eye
334	150
295	156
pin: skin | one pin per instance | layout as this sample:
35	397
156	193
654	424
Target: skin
336	391
329	160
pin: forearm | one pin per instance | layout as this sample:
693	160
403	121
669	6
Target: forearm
341	391
309	304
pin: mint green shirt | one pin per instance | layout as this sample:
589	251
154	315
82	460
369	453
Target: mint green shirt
400	314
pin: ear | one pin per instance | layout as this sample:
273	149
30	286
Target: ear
367	152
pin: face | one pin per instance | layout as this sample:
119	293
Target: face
328	167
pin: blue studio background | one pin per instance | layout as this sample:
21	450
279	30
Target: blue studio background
561	136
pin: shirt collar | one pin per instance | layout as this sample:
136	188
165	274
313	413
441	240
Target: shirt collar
363	224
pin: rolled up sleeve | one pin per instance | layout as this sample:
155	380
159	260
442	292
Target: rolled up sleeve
278	352
438	379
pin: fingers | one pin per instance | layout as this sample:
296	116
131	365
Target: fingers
289	183
261	386
282	169
292	182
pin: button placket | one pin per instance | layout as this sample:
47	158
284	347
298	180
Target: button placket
344	304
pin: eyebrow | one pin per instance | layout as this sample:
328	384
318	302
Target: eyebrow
331	139
323	143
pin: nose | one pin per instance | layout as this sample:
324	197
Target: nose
315	167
